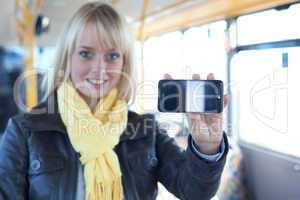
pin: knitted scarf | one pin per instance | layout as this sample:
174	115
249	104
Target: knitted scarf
94	135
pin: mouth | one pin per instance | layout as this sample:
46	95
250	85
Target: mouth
96	82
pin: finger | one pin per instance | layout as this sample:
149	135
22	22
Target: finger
226	99
212	117
196	76
196	123
167	76
210	76
194	116
214	122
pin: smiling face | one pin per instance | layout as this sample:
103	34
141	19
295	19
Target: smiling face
95	69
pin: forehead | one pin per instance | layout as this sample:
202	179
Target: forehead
93	37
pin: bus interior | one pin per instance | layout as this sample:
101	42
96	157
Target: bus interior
252	45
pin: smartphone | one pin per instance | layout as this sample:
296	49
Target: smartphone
200	96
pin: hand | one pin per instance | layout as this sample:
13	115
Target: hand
206	129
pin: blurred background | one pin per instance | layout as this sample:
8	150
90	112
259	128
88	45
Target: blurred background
252	45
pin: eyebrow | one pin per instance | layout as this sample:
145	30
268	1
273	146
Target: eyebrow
93	49
87	47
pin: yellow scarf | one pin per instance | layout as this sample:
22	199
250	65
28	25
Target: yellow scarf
94	136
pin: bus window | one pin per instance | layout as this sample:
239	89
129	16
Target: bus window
265	109
204	49
271	25
161	55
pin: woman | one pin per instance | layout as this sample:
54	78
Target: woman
82	142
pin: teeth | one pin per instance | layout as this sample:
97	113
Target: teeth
95	81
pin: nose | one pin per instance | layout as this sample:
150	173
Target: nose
98	64
99	68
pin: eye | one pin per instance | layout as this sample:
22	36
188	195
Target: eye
86	54
112	56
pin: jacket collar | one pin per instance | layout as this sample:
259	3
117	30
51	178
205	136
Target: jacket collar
45	117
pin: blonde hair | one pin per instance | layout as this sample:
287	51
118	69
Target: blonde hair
113	31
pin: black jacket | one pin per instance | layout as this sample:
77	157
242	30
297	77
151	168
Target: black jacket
38	162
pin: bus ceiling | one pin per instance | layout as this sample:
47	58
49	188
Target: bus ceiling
147	17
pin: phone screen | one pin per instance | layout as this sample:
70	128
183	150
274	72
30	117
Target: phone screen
205	96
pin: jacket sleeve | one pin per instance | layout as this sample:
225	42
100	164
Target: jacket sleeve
183	172
13	163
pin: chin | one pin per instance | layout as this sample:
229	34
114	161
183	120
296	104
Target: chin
98	94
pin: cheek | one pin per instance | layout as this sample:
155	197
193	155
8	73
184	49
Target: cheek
116	72
115	77
78	69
